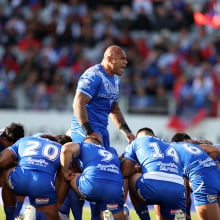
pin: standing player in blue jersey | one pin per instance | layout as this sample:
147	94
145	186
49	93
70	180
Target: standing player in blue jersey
101	180
204	178
97	98
8	136
34	176
160	177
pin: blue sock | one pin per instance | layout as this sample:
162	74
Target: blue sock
188	211
9	212
40	215
18	207
76	204
95	211
65	208
142	211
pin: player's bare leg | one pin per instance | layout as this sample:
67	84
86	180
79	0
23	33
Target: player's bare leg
208	211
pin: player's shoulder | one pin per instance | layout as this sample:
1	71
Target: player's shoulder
29	138
94	70
113	150
147	138
26	139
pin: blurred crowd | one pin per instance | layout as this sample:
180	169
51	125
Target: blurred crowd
173	64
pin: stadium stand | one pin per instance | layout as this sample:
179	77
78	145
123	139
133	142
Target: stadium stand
173	58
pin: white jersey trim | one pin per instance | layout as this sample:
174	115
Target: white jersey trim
164	177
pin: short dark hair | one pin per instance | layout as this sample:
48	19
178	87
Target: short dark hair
48	136
62	139
92	139
146	130
13	132
179	137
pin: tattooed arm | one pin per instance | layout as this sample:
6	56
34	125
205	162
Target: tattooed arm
79	108
119	121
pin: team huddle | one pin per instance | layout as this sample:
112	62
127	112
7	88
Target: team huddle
58	173
45	167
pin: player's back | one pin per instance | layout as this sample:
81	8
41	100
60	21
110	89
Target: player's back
37	153
155	155
193	158
100	163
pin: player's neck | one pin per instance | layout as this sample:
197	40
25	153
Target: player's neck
107	69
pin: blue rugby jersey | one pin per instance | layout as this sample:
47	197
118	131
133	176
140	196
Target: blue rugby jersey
37	153
103	91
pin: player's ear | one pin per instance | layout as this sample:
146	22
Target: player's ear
111	59
6	142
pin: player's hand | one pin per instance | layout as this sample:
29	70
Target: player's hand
68	174
130	137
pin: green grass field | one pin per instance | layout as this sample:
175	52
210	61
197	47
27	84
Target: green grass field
86	214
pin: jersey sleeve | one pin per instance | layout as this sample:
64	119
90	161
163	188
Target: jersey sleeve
130	152
88	83
14	148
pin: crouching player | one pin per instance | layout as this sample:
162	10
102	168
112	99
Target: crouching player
101	180
160	181
37	174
